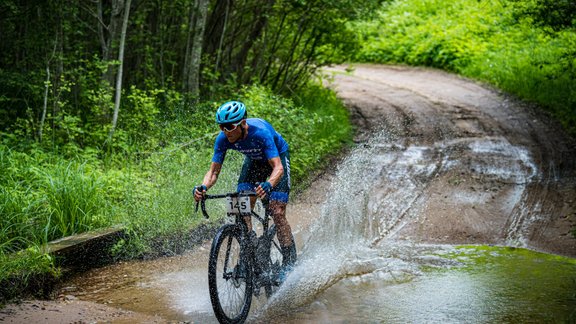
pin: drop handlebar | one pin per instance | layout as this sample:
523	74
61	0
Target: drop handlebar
202	203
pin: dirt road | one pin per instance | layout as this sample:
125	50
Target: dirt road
496	171
452	162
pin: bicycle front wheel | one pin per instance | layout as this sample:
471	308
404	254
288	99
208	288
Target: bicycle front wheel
230	276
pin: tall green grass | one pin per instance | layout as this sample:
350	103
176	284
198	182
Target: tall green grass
496	41
75	200
24	268
47	200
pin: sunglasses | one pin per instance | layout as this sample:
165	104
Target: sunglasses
230	127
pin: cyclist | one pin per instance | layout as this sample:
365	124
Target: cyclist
266	168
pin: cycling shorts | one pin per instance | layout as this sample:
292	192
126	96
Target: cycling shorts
255	171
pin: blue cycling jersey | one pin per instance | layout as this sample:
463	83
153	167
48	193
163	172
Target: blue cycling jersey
262	143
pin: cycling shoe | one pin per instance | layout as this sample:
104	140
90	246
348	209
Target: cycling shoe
283	274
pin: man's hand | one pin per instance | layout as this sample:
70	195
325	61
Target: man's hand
263	189
199	192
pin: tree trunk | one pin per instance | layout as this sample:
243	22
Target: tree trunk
193	58
273	49
108	34
288	60
45	105
216	26
118	93
102	30
57	45
221	41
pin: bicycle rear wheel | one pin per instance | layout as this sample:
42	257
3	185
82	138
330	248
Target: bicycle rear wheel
230	276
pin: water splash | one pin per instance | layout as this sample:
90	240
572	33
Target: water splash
379	188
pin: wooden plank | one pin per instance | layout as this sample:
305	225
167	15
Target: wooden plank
85	250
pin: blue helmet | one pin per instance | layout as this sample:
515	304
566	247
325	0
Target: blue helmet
231	112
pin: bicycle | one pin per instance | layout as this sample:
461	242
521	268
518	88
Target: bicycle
241	263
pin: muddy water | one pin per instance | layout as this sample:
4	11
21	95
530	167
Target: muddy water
356	266
493	285
387	284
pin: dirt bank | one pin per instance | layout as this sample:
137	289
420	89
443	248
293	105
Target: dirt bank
453	162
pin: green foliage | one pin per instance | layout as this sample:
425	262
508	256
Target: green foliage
59	59
512	45
13	109
75	200
556	14
330	126
430	32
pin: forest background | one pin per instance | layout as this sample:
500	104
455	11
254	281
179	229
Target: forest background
107	106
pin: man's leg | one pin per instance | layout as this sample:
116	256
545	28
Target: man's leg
284	233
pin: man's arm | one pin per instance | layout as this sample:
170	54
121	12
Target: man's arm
212	175
277	171
209	180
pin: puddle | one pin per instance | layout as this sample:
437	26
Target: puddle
448	285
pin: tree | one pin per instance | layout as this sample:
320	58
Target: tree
118	93
197	25
77	56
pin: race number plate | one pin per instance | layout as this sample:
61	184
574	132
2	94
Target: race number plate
235	205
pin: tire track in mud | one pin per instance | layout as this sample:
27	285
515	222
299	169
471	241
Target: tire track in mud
459	162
